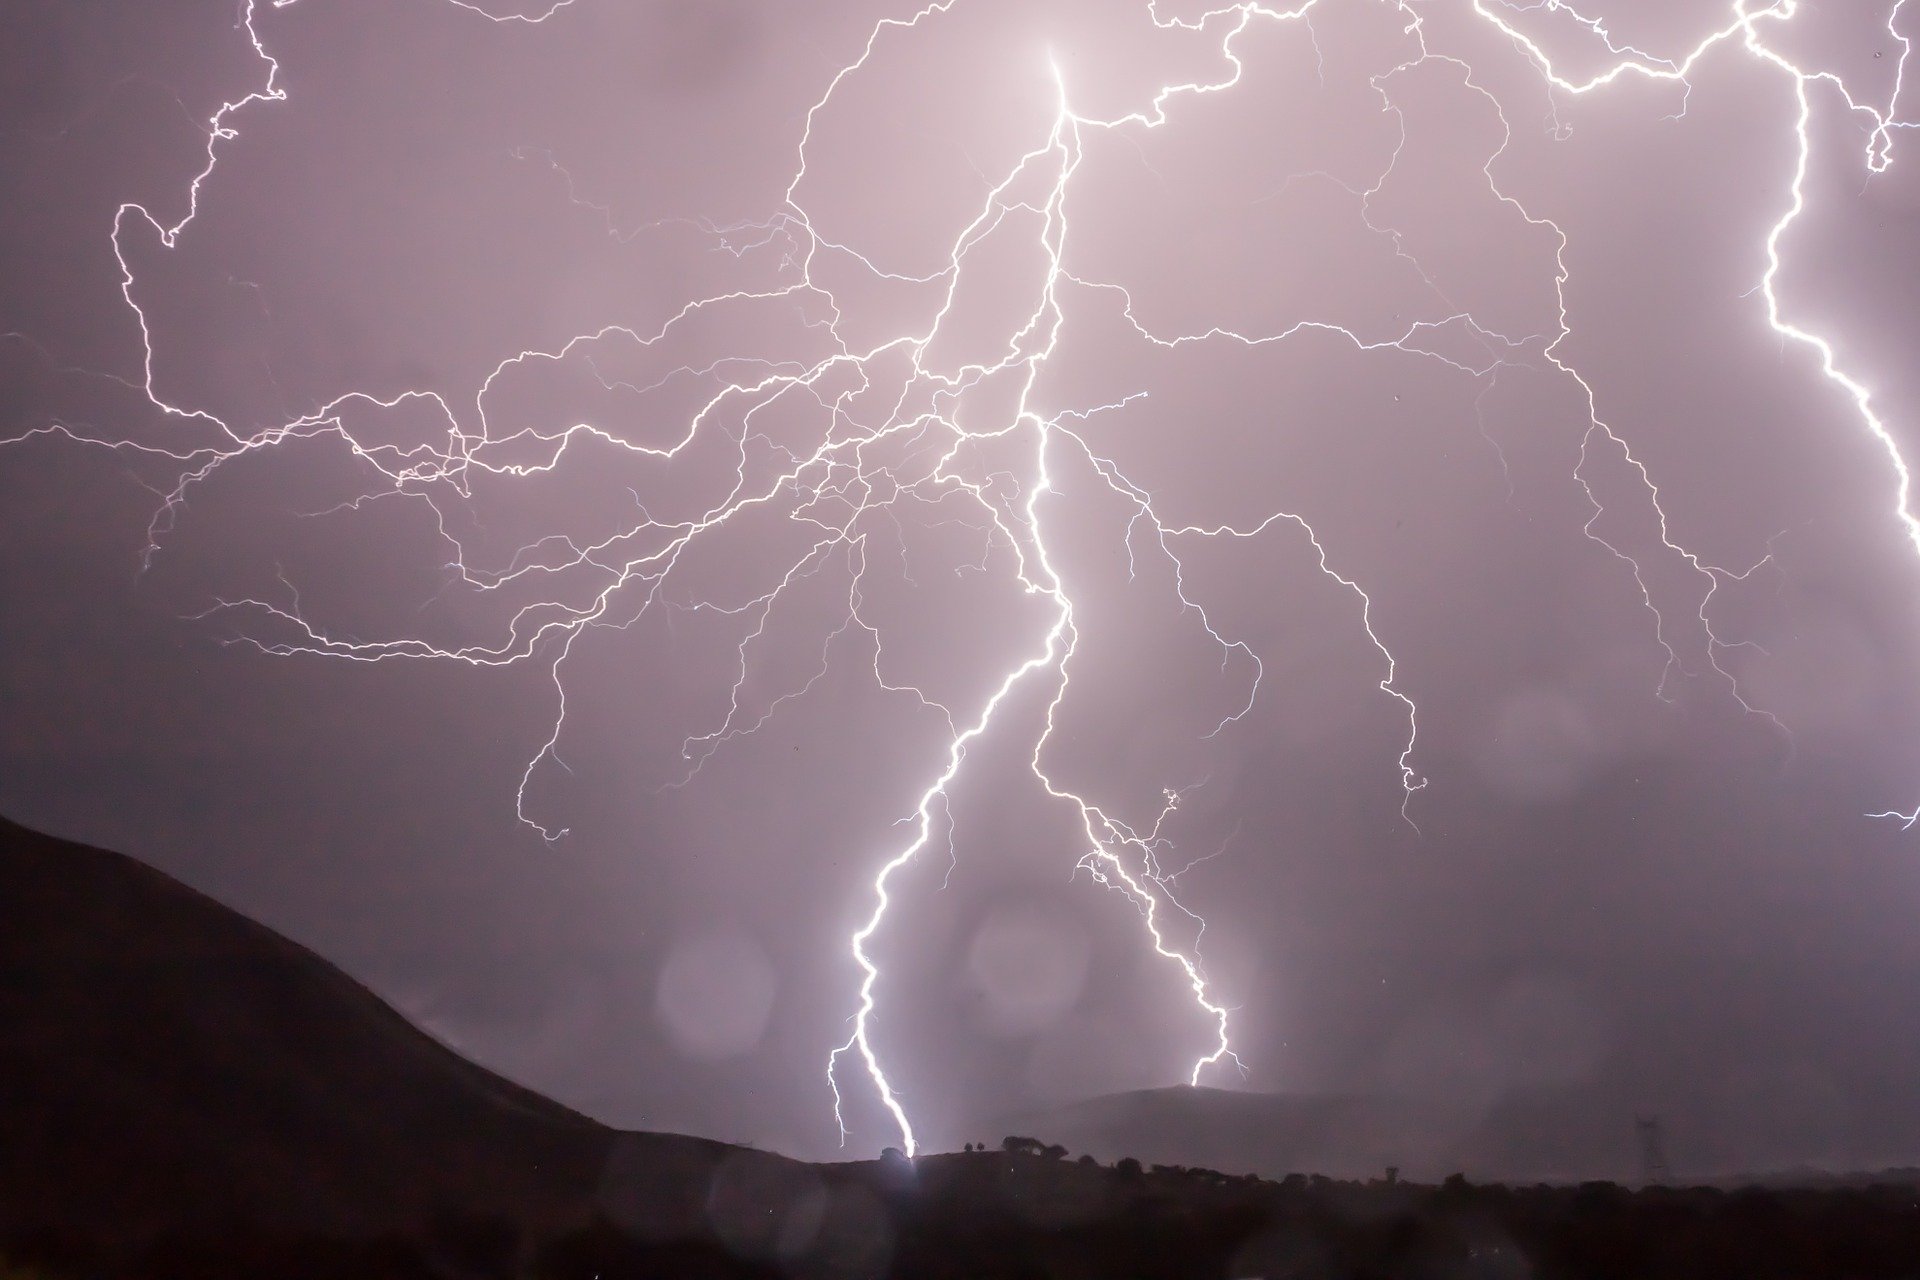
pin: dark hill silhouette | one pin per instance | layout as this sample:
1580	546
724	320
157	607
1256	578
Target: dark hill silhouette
165	1062
185	1095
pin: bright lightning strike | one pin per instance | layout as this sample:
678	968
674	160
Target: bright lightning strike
927	448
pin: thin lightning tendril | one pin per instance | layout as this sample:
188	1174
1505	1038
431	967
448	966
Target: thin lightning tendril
862	472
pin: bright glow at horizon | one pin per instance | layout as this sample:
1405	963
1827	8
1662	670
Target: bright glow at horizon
859	471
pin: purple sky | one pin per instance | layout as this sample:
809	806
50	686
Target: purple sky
1640	864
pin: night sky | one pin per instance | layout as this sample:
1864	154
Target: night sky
291	606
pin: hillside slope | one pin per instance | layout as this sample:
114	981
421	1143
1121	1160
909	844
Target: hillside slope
165	1061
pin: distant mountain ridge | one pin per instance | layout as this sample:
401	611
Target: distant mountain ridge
1564	1135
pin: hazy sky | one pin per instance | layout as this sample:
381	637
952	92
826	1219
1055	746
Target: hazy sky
777	550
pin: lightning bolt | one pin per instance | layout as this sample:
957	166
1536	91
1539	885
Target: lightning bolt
900	432
1744	32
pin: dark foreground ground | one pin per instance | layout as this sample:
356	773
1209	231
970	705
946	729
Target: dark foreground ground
995	1215
185	1095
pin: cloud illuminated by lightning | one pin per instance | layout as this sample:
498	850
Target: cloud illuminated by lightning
866	468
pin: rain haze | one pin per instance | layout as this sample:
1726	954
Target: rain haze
1340	552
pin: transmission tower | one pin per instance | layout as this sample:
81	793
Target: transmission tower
1653	1157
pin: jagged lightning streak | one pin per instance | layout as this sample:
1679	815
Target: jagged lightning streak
1107	836
863	471
1744	27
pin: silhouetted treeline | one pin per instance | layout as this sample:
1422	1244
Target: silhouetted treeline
1024	1212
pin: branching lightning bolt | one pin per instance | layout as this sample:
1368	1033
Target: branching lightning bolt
865	470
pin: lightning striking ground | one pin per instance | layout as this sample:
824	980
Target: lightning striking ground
925	448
